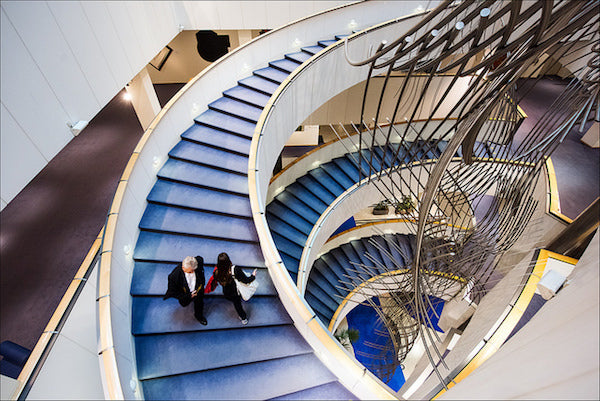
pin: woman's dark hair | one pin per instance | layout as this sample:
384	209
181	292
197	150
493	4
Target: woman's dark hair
223	275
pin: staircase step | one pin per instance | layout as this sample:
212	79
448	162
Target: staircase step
326	180
285	65
190	173
150	278
192	222
259	381
347	165
360	250
226	122
299	57
214	349
386	258
404	244
286	214
316	279
178	194
297	206
340	37
326	43
206	155
307	197
287	246
323	269
393	244
165	247
323	297
259	84
286	230
318	306
236	108
335	267
312	49
248	96
153	315
372	158
374	253
379	152
338	175
218	139
317	189
327	391
291	264
271	74
345	262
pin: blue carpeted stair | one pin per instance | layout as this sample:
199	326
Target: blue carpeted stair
326	286
199	206
293	212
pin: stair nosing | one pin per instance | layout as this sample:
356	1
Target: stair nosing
229	366
224	169
157	231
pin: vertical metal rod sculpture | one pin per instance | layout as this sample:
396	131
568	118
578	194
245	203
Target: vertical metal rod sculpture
458	70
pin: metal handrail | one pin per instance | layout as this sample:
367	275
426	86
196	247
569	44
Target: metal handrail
349	371
51	332
113	388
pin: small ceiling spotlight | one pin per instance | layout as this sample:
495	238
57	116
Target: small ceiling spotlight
485	12
127	96
459	25
297	43
155	161
352	24
127	249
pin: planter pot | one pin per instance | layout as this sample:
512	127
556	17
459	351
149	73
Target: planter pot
381	211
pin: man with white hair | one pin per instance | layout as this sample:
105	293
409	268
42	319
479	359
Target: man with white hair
186	283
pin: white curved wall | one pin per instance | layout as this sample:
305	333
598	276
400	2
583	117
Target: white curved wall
62	61
175	118
554	356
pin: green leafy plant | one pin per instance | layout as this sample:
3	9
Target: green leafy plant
348	335
405	205
381	207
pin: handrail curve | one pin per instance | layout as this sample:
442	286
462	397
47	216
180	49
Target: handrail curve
349	371
342	311
162	134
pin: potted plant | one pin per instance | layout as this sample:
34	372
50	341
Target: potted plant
405	205
347	337
381	208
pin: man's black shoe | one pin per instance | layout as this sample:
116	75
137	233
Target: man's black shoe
202	320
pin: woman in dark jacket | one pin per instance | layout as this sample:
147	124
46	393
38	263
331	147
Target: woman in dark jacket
222	275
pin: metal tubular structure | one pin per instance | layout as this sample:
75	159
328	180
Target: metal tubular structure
486	197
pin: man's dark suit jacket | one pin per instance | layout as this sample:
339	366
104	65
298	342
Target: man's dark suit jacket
178	286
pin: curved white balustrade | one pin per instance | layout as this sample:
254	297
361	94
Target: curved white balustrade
115	343
309	86
404	225
379	285
337	148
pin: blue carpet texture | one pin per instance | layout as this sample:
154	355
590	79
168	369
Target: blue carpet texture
199	205
325	288
293	212
372	335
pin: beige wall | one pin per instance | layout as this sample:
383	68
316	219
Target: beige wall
555	356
